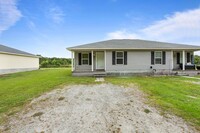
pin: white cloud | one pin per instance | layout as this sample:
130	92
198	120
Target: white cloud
122	34
9	14
181	27
56	14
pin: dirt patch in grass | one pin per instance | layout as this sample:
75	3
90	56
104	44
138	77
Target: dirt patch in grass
193	82
93	108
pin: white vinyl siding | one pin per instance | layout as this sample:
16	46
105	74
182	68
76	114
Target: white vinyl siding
138	61
15	63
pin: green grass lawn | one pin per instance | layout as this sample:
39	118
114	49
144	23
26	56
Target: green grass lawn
17	89
170	94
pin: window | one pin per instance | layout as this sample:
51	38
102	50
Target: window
119	57
85	58
158	57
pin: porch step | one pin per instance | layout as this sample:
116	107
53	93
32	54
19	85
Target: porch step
98	75
89	73
182	74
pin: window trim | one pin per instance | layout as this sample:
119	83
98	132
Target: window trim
85	58
119	57
158	57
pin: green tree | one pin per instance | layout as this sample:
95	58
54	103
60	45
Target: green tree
197	59
54	62
44	63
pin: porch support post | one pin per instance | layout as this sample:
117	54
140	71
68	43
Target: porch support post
172	60
183	60
92	61
72	60
105	60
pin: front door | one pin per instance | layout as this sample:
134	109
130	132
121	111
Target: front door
100	64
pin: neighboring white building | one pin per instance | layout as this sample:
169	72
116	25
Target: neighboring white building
13	60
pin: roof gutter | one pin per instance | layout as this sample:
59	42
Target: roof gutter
34	56
76	49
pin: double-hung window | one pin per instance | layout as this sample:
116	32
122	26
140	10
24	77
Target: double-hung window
119	57
158	57
85	58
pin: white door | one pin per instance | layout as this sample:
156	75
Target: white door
100	64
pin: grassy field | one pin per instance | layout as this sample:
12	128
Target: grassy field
17	89
171	94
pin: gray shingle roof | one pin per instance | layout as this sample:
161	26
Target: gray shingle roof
133	44
5	49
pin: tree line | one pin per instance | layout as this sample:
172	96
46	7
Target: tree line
46	62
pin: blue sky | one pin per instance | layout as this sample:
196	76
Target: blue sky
47	27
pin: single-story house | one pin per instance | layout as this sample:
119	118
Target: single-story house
125	56
13	60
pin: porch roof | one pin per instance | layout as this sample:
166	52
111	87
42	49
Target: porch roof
133	44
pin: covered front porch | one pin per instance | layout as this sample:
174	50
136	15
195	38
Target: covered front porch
93	62
183	60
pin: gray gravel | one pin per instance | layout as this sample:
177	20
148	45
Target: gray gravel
93	109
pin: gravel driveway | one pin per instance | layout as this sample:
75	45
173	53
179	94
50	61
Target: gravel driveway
93	109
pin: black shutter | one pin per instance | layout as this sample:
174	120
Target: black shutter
125	57
79	58
178	58
163	57
192	58
90	59
113	57
152	57
188	57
